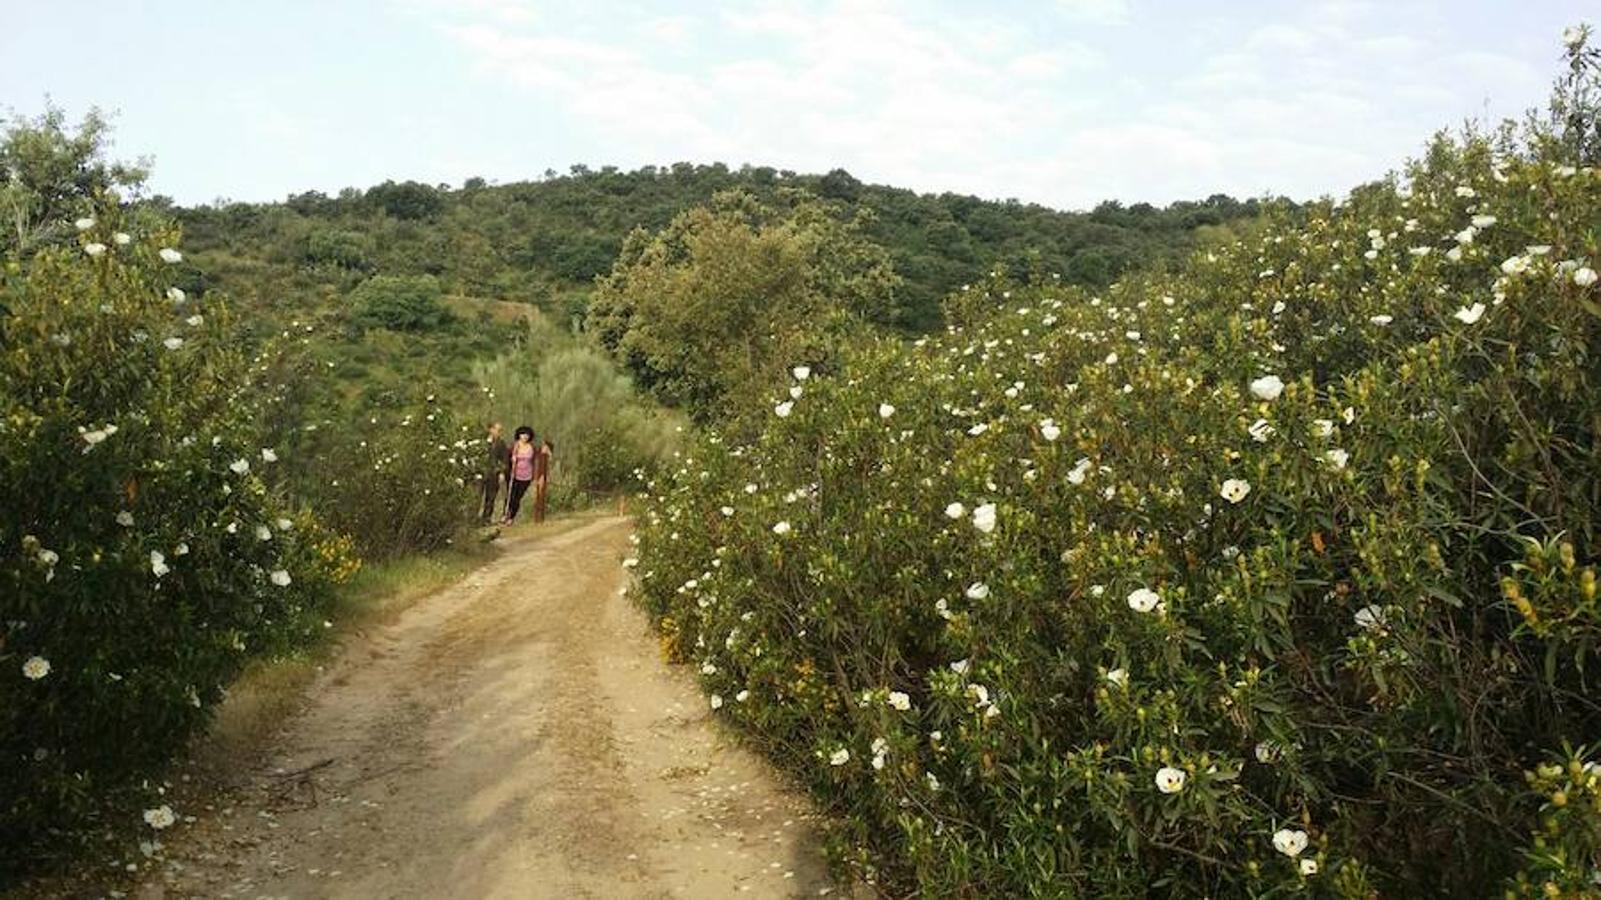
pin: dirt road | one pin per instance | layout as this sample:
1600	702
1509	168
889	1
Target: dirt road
515	735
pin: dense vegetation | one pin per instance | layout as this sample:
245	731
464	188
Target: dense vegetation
143	555
1275	574
544	242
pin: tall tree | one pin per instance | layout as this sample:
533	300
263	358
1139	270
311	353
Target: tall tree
50	175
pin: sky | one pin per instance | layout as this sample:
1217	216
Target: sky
1059	102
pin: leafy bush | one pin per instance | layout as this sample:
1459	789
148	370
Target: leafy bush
400	480
400	303
708	310
142	558
336	247
1276	575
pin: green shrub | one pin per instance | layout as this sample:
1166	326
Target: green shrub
706	312
142	558
399	481
1276	575
400	303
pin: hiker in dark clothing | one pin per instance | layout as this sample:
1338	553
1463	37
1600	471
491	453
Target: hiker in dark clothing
496	468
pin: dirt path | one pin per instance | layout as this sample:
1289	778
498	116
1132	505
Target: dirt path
515	735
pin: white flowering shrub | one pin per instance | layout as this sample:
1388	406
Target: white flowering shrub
402	480
1274	575
142	558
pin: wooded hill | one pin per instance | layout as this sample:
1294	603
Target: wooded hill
544	241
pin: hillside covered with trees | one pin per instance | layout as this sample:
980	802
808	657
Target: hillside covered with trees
545	241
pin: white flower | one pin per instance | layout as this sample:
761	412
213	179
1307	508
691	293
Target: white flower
955	511
630	562
1370	617
1235	489
158	564
176	295
717	701
1381	319
35	668
933	783
160	817
240	466
984	518
1584	276
1464	191
121	239
742	696
172	343
1143	600
1323	427
839	757
783	410
1118	677
263	533
795	391
801	373
978	590
280	578
169	255
284	524
885	410
727	511
1308	867
1268	387
960	667
268	455
1337	458
1260	431
84	224
1466	235
125	519
781	528
94	249
751	488
1515	265
1467	315
1572	38
900	701
1289	843
1483	221
1080	469
978	429
195	321
1049	430
1267	752
1170	780
181	550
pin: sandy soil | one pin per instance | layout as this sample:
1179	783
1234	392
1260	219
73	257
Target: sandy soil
514	735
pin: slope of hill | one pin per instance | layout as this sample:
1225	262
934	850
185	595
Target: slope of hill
544	241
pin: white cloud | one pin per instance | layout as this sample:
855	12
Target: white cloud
1315	102
1097	12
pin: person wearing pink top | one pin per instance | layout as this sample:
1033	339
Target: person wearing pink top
523	454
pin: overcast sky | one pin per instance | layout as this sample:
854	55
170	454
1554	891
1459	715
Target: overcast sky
1061	102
